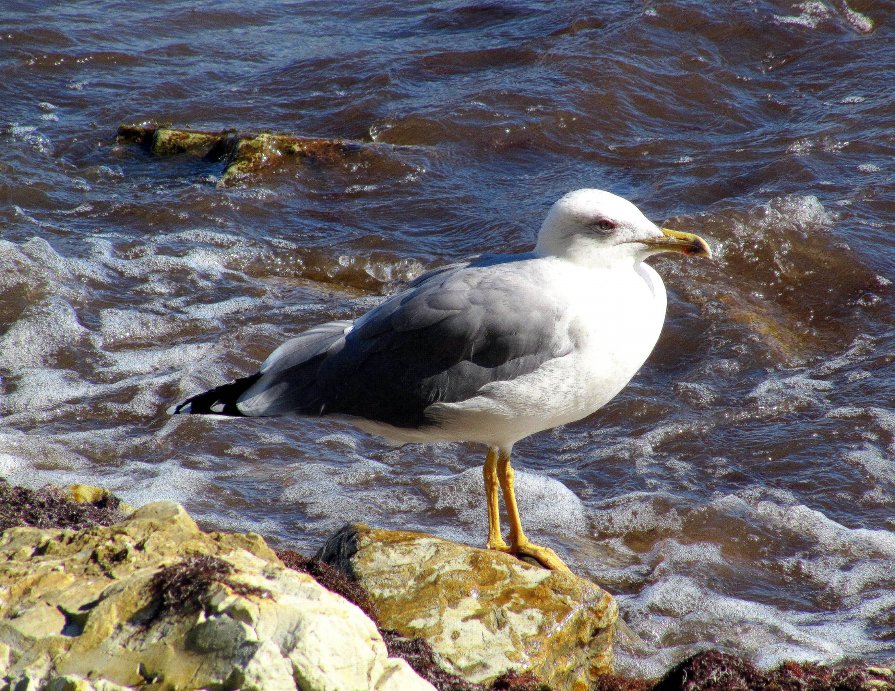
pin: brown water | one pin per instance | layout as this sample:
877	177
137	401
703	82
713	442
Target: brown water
739	493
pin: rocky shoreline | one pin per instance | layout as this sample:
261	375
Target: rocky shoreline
99	596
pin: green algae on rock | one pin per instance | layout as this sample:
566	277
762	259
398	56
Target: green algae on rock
483	612
243	153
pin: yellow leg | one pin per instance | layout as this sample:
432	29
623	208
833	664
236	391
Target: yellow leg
519	544
495	539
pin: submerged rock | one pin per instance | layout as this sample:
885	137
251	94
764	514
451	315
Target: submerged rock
243	153
153	602
484	613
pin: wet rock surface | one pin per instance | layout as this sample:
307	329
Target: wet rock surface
154	602
484	613
243	154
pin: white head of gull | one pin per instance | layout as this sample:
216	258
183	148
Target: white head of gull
489	351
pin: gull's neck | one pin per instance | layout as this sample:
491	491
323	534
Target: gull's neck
585	254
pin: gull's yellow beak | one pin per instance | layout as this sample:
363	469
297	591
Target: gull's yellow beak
676	241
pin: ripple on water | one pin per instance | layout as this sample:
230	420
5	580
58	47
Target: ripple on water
781	303
843	571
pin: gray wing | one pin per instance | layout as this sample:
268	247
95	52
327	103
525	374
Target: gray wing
441	341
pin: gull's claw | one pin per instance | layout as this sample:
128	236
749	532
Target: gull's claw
545	556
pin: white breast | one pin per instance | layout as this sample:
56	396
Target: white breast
615	318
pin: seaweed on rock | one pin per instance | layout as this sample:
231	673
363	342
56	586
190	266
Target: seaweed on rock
330	578
184	587
712	669
53	507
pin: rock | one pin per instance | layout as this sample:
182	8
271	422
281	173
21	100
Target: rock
71	682
483	612
713	669
89	494
243	153
153	602
51	507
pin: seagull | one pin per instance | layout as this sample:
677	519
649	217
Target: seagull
490	351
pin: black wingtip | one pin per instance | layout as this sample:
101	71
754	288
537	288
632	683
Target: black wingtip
221	400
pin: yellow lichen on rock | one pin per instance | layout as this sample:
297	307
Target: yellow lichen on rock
483	612
90	494
81	610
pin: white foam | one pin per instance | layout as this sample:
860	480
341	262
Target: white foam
782	217
40	335
205	263
807	145
872	460
358	490
636	512
36	266
640	448
828	535
884	417
846	361
45	389
146	400
548	505
791	392
545	504
56	459
219	309
844	561
126	325
858	21
207	236
166	481
682	605
65	392
696	394
678	608
30	135
14	468
811	14
805	212
339	440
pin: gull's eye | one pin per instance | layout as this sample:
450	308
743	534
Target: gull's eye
605	225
